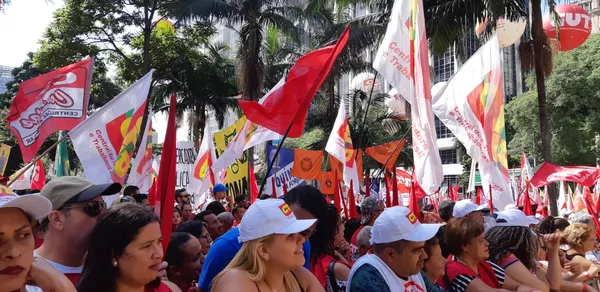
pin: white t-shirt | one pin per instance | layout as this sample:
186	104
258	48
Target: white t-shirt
414	283
66	270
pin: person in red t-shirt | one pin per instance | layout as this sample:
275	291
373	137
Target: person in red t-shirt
76	204
125	252
370	208
467	268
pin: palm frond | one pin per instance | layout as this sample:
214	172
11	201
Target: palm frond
188	10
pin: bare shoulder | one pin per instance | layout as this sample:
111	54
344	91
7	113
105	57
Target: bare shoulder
234	280
307	280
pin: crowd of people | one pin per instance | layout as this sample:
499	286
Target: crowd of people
66	238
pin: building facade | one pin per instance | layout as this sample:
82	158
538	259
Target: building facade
593	7
5	77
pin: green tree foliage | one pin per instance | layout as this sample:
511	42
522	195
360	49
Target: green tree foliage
573	92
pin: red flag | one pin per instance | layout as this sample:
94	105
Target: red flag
395	198
336	191
289	104
587	194
478	196
38	180
591	211
55	101
388	190
273	187
527	202
166	175
413	202
284	186
152	193
352	202
368	186
253	186
455	190
451	193
548	172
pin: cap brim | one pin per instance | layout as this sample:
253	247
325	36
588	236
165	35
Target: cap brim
424	232
297	226
35	205
96	191
482	208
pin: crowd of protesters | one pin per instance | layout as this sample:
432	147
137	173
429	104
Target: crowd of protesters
67	239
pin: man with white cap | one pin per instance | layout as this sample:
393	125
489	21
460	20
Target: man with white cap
466	208
398	240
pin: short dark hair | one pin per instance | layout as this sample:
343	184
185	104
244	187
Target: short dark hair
445	210
200	216
179	191
240	198
561	224
116	228
236	210
459	232
193	227
140	197
175	255
427	208
130	190
186	203
398	246
215	207
310	199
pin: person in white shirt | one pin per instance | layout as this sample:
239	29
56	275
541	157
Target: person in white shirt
398	240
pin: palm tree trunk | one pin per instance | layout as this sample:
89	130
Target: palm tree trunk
538	35
199	123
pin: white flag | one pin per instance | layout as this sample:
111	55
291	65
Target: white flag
471	105
104	142
340	146
202	177
471	187
141	173
251	135
402	59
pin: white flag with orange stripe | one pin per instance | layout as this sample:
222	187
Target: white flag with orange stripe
203	177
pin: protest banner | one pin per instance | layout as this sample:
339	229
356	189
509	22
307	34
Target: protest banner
186	156
237	172
283	170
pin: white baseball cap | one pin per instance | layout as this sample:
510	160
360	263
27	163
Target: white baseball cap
514	217
270	216
35	206
465	207
399	223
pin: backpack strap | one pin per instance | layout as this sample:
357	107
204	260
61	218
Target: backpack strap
331	274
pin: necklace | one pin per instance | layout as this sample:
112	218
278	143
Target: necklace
272	290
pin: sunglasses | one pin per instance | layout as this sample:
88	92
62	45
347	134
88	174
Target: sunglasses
92	209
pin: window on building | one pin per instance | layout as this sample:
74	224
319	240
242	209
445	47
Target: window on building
441	130
443	66
448	156
450	180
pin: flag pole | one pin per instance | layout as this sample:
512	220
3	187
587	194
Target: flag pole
33	161
262	186
393	151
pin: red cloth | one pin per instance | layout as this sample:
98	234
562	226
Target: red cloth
354	239
486	273
161	288
288	104
320	267
74	278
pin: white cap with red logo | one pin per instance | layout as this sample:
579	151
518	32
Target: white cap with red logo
399	223
270	216
35	205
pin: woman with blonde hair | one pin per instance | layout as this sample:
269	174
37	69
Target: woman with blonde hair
580	238
271	257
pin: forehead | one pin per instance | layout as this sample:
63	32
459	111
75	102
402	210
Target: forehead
149	232
11	219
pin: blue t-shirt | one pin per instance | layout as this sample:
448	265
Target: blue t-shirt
223	251
368	278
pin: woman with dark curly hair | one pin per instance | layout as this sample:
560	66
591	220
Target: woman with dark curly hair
324	263
514	247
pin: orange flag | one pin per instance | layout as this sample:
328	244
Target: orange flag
336	164
327	183
386	152
359	163
307	164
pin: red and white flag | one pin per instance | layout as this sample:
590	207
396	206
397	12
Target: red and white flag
340	146
104	142
203	177
142	173
55	101
471	105
403	60
38	179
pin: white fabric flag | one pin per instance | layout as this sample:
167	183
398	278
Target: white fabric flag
471	105
402	59
340	146
141	168
202	177
251	135
471	187
104	142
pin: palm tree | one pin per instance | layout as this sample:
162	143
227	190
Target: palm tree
449	20
202	81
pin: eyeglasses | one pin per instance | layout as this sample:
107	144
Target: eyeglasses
92	209
205	236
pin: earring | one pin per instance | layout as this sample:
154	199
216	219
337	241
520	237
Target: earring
114	263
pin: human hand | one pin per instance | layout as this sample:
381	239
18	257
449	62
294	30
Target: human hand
43	275
574	268
593	270
162	271
552	241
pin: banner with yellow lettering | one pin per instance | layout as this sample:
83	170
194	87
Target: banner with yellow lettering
237	172
4	154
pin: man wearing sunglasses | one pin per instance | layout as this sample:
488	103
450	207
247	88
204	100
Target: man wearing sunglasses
76	204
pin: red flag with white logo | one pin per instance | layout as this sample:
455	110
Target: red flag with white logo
55	101
38	179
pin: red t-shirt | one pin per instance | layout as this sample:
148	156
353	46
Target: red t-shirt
460	276
161	288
